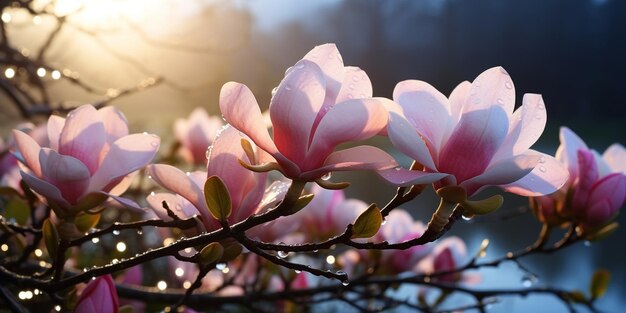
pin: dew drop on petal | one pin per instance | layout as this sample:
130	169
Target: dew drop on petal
508	85
542	159
355	79
383	222
298	271
350	96
299	66
274	91
542	168
287	87
351	86
500	101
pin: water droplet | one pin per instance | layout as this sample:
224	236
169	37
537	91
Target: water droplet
528	280
542	168
287	87
508	85
542	159
282	254
299	66
397	168
341	273
139	232
288	70
298	271
351	86
220	266
355	79
327	176
500	101
467	218
274	90
477	83
350	96
154	144
116	232
541	105
345	283
383	222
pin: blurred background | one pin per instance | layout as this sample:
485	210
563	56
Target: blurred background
157	60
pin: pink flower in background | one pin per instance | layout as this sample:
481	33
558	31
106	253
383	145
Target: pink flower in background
448	254
473	137
245	187
597	183
196	134
90	151
99	296
317	106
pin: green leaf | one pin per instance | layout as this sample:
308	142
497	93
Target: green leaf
217	198
480	207
577	296
599	283
603	232
211	253
17	209
51	237
8	191
232	249
302	202
86	221
368	223
89	201
126	309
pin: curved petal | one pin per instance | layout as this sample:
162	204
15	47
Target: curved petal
83	136
178	182
67	173
28	151
54	128
611	189
615	157
46	189
491	87
526	127
353	159
402	177
457	100
588	174
115	123
294	108
405	138
126	155
117	201
567	153
504	172
425	108
352	120
99	296
329	60
155	200
473	143
356	85
549	176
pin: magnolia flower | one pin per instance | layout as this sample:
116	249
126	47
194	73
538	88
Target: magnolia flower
473	137
90	152
317	106
246	188
400	227
449	254
99	296
196	134
597	183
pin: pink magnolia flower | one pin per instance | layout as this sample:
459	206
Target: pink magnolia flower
597	183
246	188
99	296
449	254
400	227
317	106
90	151
473	137
196	134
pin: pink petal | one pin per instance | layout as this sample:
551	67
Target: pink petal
610	189
126	155
615	157
115	123
399	224
120	202
353	159
99	296
528	123
356	84
54	127
242	184
294	108
405	138
83	136
425	108
177	182
329	60
504	172
403	177
46	189
344	213
491	87
457	100
587	176
28	151
352	120
547	177
473	143
567	153
156	203
67	173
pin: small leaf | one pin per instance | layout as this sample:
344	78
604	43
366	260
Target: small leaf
17	209
484	206
211	253
217	198
599	283
89	201
368	223
232	249
603	232
51	237
302	202
85	221
577	296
